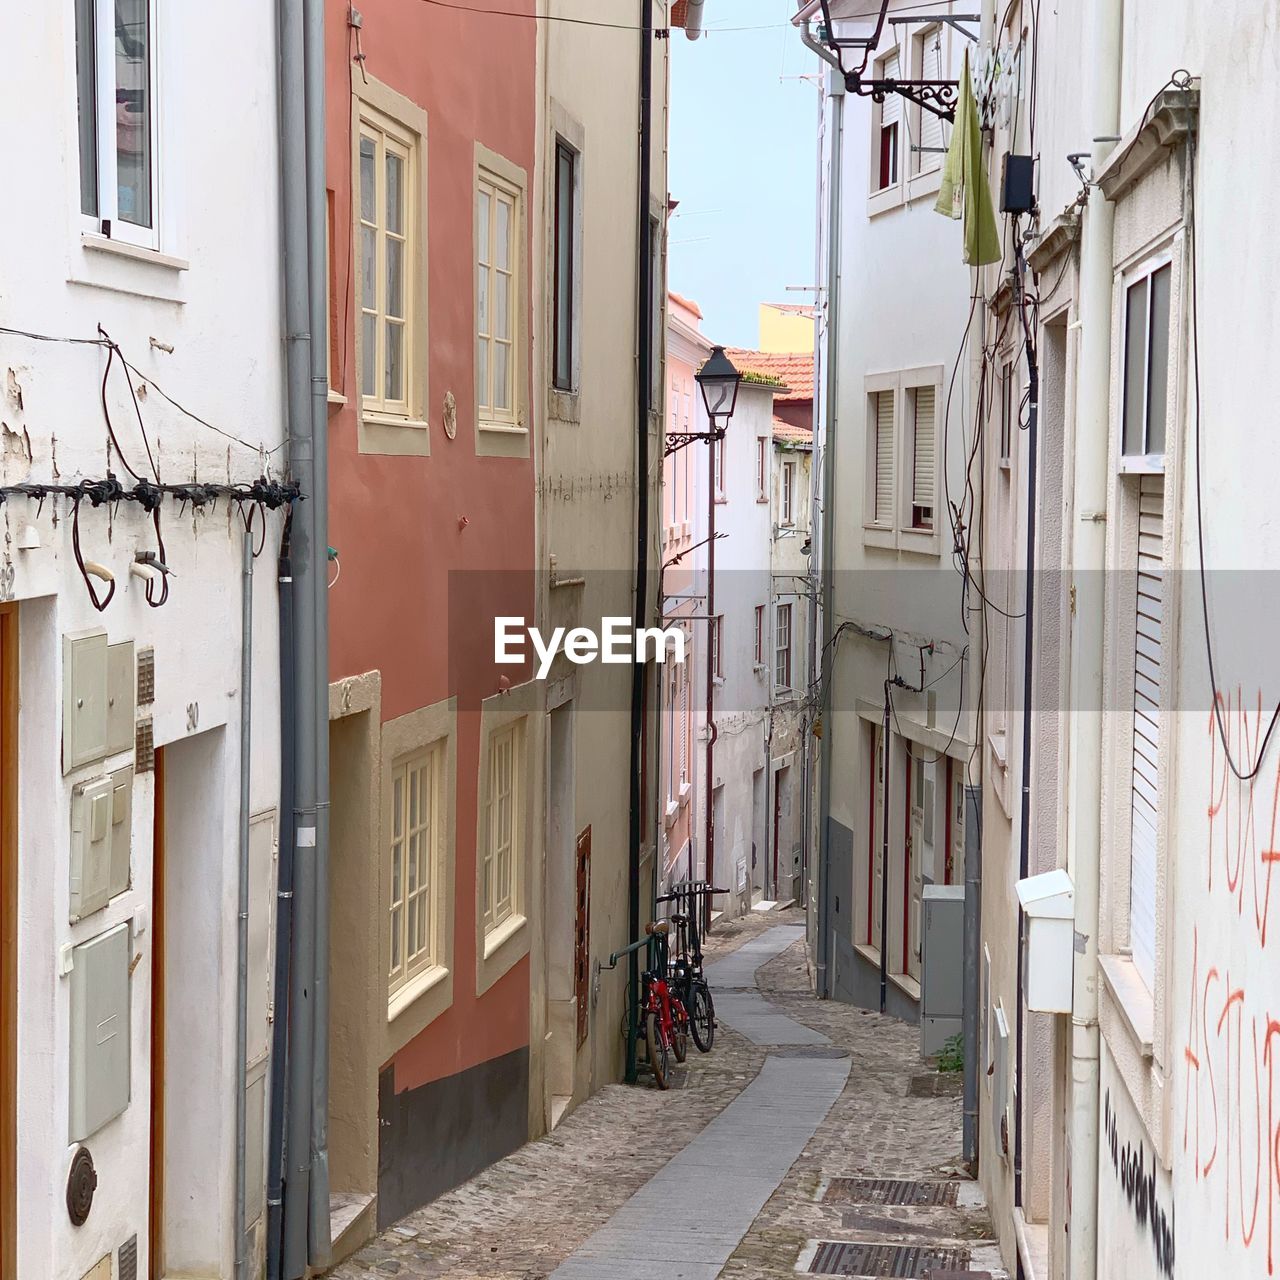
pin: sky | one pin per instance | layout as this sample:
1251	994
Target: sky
742	164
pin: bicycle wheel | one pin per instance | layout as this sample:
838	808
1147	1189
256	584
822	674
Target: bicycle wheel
679	1029
657	1049
702	1018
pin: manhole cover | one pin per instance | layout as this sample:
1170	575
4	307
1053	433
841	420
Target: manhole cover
891	1191
838	1258
940	1084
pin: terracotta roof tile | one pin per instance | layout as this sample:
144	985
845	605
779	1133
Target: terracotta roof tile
789	433
795	369
687	303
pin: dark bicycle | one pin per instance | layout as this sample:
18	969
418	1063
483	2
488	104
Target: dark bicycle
692	900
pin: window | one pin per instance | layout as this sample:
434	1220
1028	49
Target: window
502	829
717	447
762	469
565	284
882	495
717	651
115	87
928	60
1147	705
887	129
497	299
387	183
1006	415
788	492
759	635
415	836
782	648
1146	365
922	457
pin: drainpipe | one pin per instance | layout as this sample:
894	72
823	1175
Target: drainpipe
1088	558
1028	684
308	564
835	91
972	967
644	390
284	915
886	762
319	1244
242	918
713	645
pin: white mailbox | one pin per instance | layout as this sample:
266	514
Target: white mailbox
1049	901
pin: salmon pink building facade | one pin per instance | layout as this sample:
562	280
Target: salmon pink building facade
434	754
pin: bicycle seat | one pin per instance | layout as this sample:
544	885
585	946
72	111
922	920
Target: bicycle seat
657	928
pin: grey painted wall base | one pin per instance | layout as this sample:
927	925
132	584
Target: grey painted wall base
687	1220
434	1138
857	982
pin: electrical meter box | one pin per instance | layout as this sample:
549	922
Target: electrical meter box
1049	903
99	689
99	1084
101	829
942	967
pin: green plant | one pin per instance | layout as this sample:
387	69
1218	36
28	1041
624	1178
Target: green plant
951	1059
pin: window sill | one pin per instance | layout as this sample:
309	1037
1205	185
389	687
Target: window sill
121	249
685	792
504	428
377	418
721	499
868	953
669	813
883	200
907	985
336	397
500	935
414	989
999	749
875	535
1132	999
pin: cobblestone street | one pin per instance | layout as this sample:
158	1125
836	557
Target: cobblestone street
521	1218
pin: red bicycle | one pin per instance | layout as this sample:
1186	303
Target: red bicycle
666	1021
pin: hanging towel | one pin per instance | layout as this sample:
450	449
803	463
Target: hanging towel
965	192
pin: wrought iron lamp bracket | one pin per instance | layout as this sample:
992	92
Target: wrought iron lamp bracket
677	440
937	96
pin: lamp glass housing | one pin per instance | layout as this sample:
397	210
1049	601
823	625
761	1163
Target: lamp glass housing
719	382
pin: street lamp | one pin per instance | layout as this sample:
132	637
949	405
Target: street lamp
719	382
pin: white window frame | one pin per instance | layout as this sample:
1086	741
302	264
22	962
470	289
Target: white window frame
897	532
498	190
881	198
390	137
716	640
924	170
1146	462
403	967
760	631
107	220
787	515
718	446
497	911
762	469
782	647
876	531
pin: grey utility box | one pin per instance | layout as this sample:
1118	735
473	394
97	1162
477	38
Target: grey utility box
942	966
99	1031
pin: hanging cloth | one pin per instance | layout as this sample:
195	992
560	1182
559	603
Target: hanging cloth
965	192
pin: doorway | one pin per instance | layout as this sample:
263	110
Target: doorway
8	940
561	930
189	1230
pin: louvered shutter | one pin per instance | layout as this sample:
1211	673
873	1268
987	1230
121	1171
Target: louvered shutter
930	124
922	482
884	458
891	107
1148	622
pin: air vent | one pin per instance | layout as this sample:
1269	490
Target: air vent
127	1268
146	676
910	1262
890	1191
145	746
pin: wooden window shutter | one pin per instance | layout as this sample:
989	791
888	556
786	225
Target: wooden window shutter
891	107
922	462
930	124
582	934
1145	788
884	458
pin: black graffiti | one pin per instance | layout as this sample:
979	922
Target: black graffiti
1139	1186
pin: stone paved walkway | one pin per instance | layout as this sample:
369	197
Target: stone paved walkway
523	1217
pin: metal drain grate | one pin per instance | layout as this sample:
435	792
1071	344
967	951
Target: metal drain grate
838	1258
891	1191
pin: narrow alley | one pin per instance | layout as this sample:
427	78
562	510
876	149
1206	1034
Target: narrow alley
797	1135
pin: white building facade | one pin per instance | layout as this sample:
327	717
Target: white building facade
893	460
150	261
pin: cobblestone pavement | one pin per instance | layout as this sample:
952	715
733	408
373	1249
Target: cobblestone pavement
519	1219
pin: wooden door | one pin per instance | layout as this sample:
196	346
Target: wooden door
8	941
155	1228
919	796
877	838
